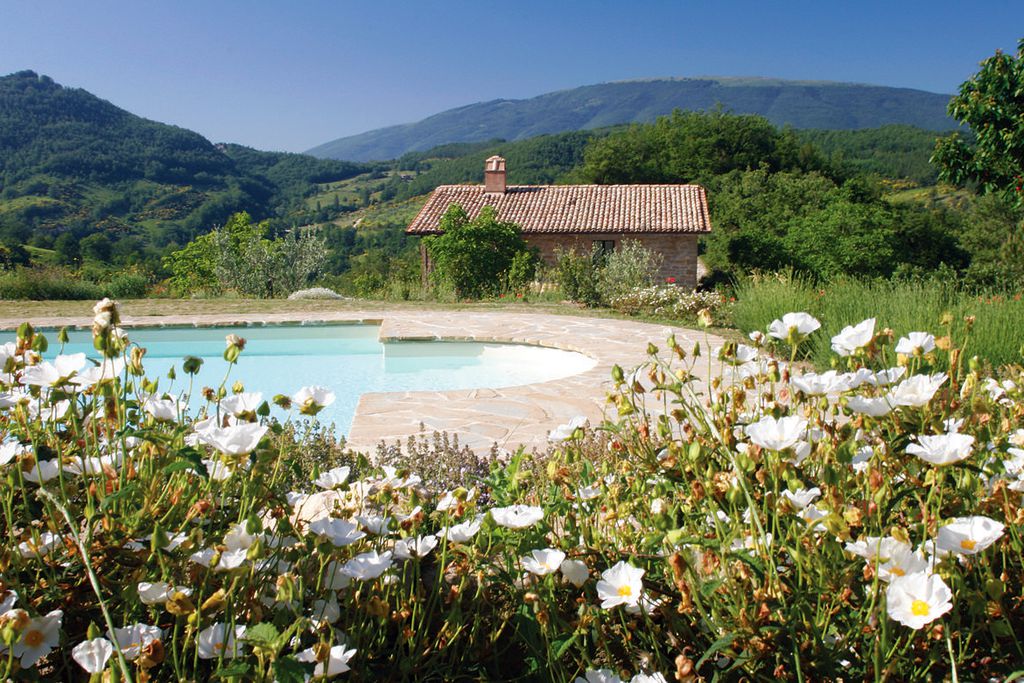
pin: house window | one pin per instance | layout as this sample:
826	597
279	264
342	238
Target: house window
603	248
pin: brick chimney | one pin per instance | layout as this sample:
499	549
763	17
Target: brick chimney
494	175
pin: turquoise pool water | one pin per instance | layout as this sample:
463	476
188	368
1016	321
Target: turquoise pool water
279	359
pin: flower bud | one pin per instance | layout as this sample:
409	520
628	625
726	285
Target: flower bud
191	365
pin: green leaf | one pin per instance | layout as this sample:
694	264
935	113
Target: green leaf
720	644
234	669
290	670
262	635
117	495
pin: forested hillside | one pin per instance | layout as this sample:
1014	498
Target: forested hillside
74	167
801	104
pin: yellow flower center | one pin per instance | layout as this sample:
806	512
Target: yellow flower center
897	571
33	638
968	544
625	591
218	646
919	608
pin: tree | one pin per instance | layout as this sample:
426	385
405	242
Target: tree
96	247
473	257
992	103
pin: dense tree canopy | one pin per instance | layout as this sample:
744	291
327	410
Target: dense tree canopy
992	103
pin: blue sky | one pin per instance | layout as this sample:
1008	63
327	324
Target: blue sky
291	75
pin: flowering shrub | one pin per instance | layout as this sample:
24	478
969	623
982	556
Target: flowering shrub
668	301
861	523
315	293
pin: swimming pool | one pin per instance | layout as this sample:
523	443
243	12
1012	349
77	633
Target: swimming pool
349	359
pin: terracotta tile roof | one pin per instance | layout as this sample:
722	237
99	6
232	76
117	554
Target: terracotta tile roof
577	208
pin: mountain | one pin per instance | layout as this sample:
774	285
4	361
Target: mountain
801	104
71	162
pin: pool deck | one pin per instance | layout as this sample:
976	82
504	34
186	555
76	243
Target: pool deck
509	416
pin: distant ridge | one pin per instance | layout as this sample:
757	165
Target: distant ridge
801	104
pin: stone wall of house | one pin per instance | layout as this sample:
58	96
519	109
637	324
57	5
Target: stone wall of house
678	251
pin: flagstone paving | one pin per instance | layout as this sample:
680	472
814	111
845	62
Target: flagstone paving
506	416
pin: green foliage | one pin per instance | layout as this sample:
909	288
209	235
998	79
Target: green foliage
43	284
628	267
993	234
903	305
991	102
771	221
692	147
239	257
576	274
473	257
894	151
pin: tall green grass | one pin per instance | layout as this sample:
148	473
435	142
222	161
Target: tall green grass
904	306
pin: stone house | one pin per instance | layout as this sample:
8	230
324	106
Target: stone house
667	219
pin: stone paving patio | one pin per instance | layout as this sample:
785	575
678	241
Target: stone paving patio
507	416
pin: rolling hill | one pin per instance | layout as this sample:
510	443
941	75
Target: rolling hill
801	104
71	162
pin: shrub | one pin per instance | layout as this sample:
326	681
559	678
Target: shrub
127	285
844	526
315	293
474	257
629	267
576	275
42	284
667	301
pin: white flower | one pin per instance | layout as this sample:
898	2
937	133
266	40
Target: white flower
880	548
829	383
873	407
40	636
589	492
336	662
917	390
238	537
777	435
420	546
952	424
219	641
942	449
517	516
333	478
542	562
11	450
450	498
901	562
239	439
164	409
655	677
460	533
575	572
883	378
231	559
392	478
968	535
853	337
566	431
159	592
916	343
368	566
107	371
311	400
337	531
241	404
92	655
41	548
916	600
375	524
793	324
801	498
7	600
54	374
326	611
620	585
599	676
217	470
133	639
